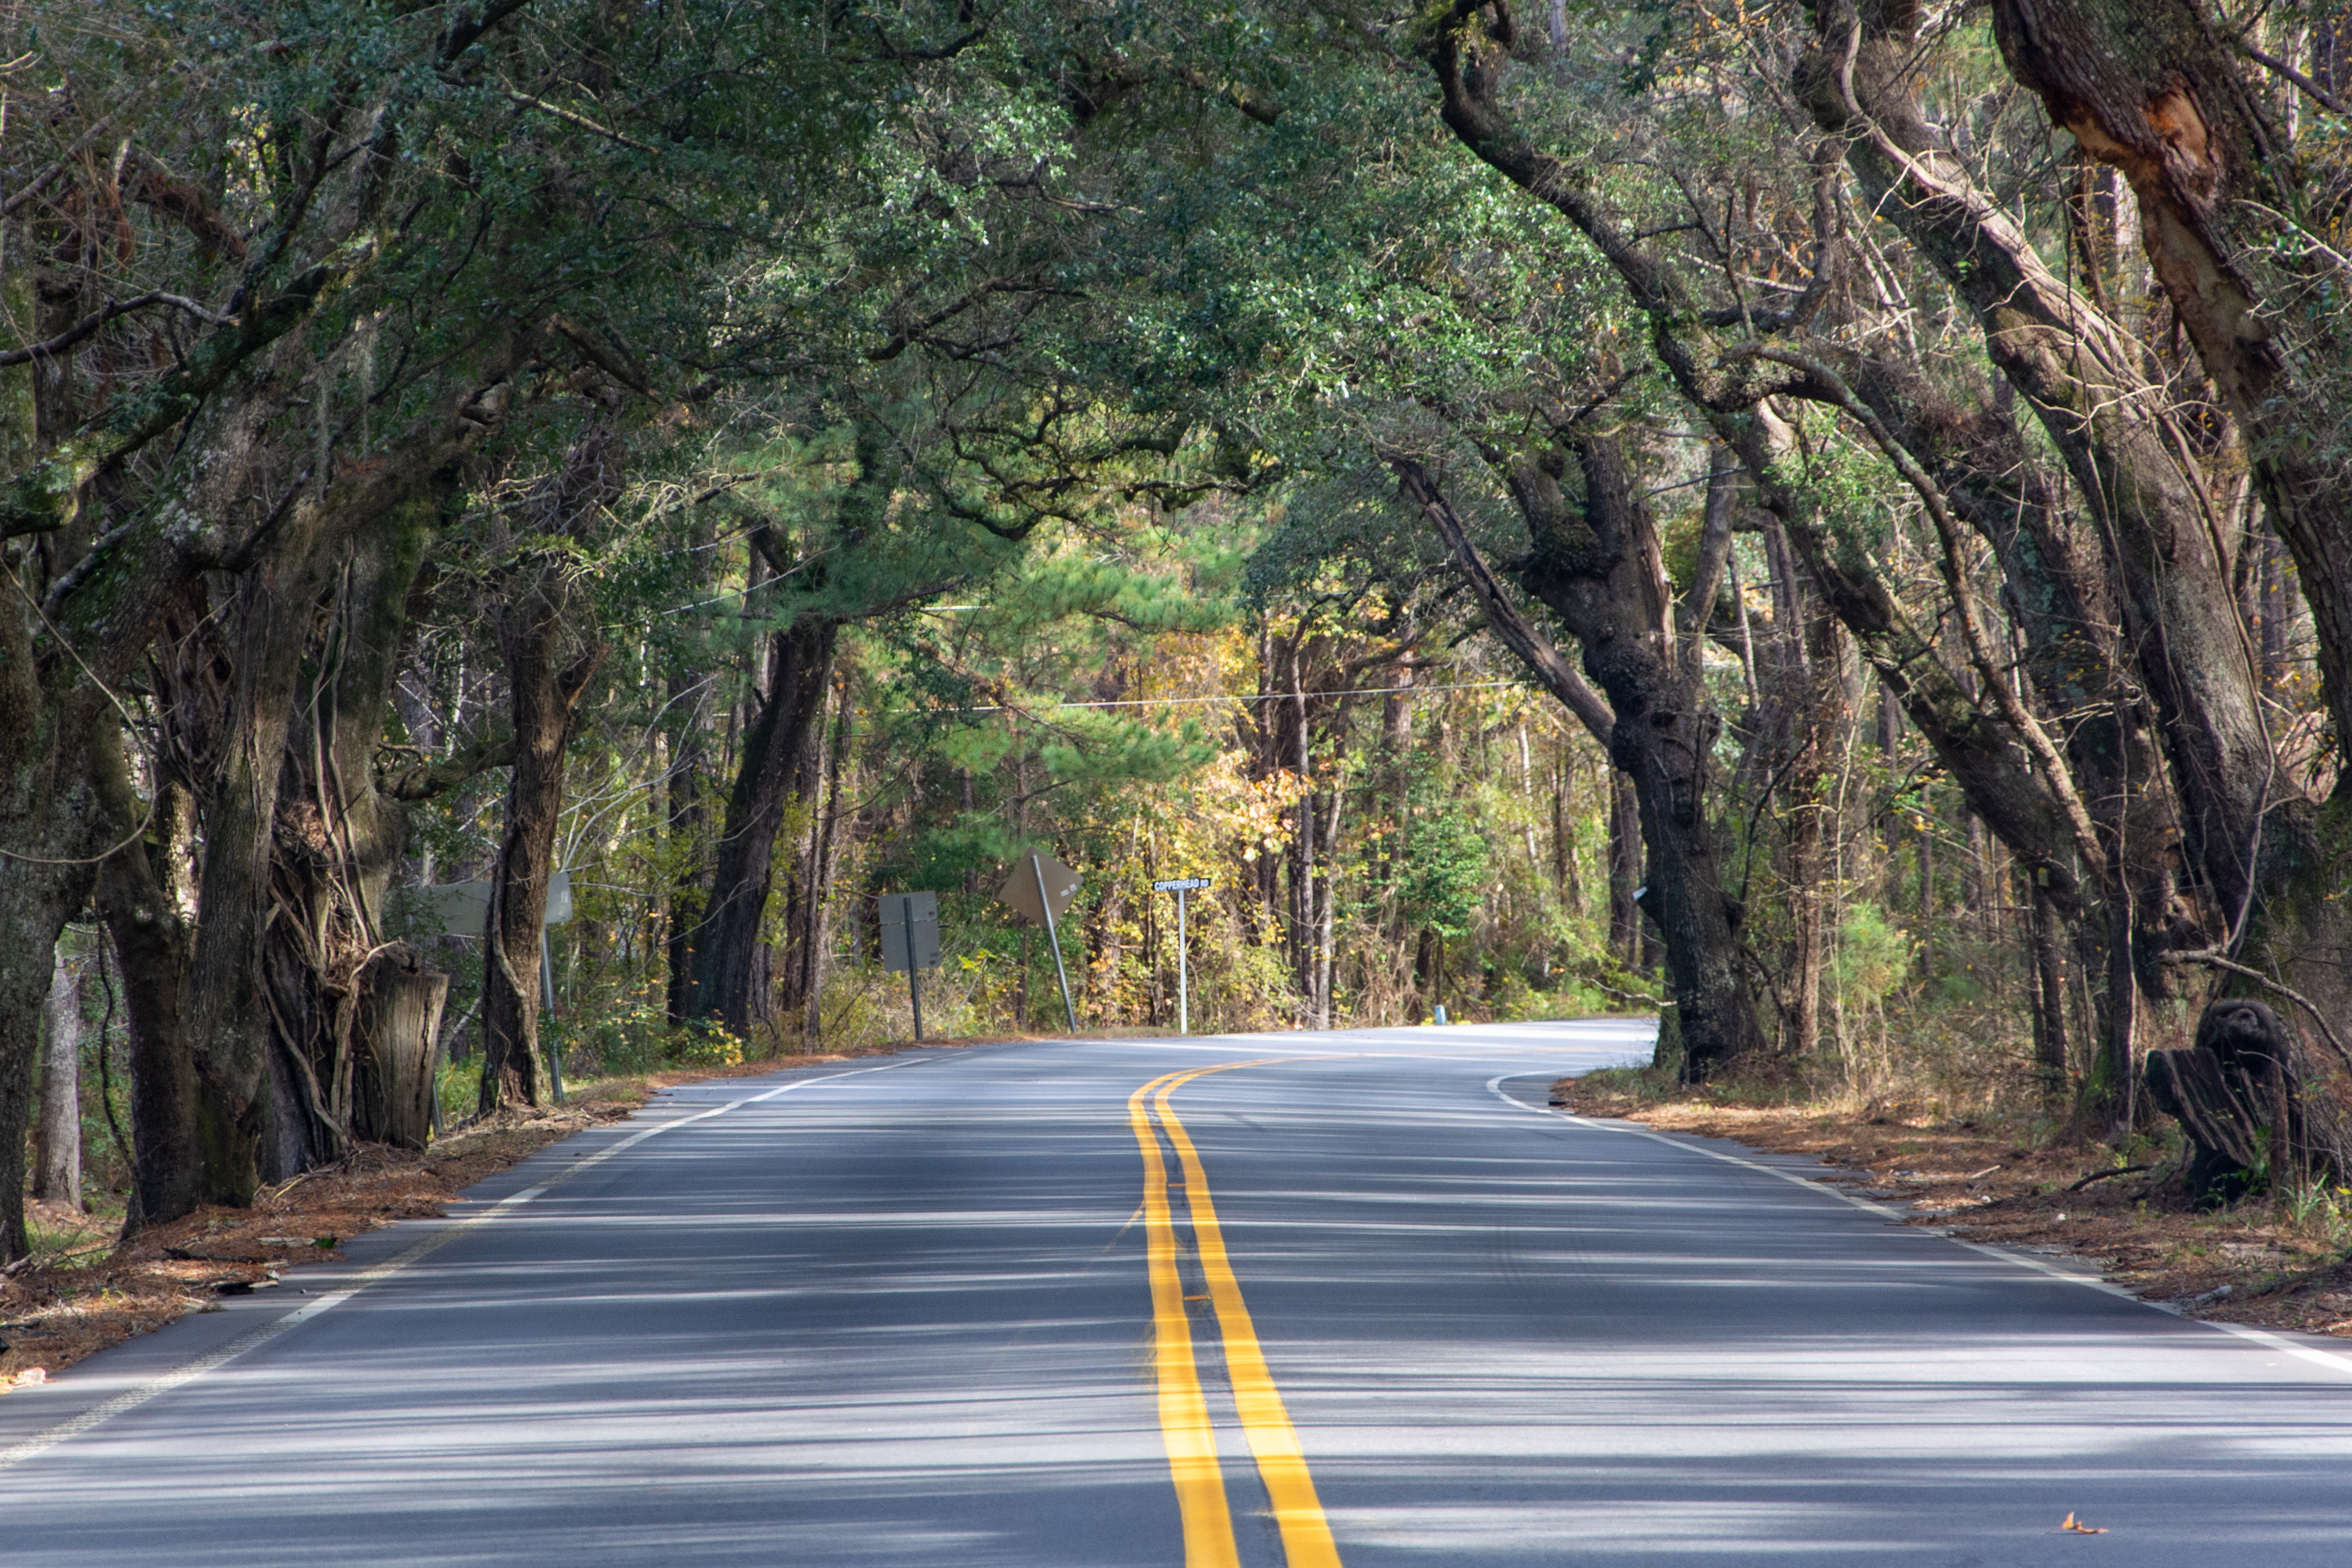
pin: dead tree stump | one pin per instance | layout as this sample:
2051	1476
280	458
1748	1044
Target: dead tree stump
2239	1096
400	1029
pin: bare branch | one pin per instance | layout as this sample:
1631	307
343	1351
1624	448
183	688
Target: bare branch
1533	648
112	309
2318	94
2214	960
581	121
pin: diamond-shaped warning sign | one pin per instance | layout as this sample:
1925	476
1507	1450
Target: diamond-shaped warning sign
1034	874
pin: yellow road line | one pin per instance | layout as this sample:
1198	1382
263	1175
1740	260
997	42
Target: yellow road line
1297	1513
1183	1412
1184	1409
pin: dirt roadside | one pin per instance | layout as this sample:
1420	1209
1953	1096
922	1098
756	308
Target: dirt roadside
2260	1262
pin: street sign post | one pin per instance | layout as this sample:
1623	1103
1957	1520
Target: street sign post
1040	888
910	941
1179	886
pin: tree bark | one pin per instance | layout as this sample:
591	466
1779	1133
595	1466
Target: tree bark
250	1127
57	1146
53	826
1624	870
1596	562
1805	812
781	987
552	649
398	1048
2049	987
147	896
774	754
817	951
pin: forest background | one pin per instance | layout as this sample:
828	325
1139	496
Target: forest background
1827	521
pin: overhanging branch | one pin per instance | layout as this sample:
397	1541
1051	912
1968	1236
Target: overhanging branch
1532	647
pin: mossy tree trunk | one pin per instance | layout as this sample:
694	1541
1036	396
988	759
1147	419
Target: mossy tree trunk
547	631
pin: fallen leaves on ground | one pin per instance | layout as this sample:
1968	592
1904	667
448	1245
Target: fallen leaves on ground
1987	1179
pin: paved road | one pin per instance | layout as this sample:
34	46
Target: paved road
1361	1301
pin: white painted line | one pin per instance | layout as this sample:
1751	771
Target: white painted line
187	1372
2279	1342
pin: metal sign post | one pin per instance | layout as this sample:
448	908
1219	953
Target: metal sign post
1179	886
547	1009
1041	888
910	941
1054	940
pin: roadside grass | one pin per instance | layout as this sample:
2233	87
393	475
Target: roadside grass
2013	1176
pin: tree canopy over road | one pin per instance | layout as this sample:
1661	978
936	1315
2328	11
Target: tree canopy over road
1833	518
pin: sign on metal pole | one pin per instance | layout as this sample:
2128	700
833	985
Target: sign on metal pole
910	941
463	909
1040	888
1179	886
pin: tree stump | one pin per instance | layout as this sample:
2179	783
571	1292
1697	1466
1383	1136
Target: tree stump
400	1028
2238	1095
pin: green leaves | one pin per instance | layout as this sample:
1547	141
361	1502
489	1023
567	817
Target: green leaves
1444	855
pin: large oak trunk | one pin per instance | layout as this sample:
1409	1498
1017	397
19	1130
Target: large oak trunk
47	810
777	769
552	649
1596	562
146	894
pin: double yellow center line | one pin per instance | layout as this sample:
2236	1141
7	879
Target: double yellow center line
1184	1409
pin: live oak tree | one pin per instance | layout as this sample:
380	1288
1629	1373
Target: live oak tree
719	447
264	347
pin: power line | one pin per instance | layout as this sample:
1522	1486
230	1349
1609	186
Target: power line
1258	697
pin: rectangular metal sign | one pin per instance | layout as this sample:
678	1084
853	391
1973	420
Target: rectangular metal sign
459	908
1181	884
911	931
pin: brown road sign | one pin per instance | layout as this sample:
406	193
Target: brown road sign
1020	889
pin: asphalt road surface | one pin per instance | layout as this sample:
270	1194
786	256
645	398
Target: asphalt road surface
1302	1298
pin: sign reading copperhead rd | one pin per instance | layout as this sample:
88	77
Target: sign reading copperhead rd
1181	884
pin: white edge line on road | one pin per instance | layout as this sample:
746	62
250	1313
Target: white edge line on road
187	1372
2263	1337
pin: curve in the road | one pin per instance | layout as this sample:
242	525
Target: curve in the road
1298	1515
910	1320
